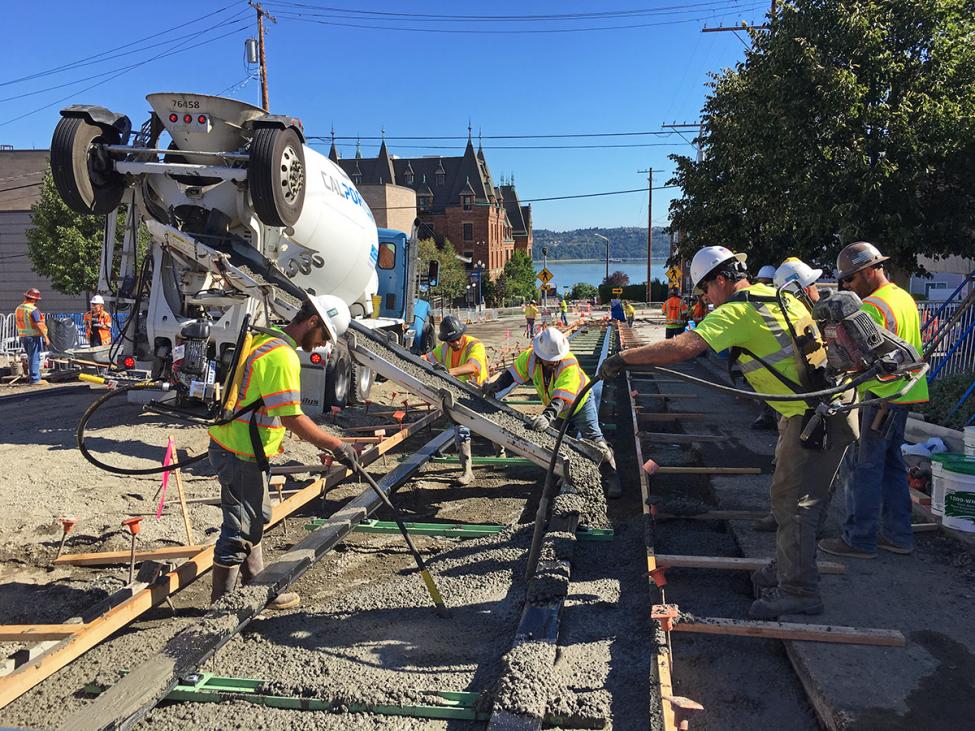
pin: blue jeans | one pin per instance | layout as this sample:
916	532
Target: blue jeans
245	505
33	345
877	496
585	422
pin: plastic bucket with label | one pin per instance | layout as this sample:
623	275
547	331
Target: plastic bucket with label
970	441
937	487
959	491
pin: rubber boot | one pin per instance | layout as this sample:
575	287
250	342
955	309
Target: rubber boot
252	566
224	581
464	453
766	524
766	577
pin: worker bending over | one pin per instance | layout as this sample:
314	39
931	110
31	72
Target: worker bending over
463	357
674	311
98	323
558	378
878	500
32	331
749	318
240	449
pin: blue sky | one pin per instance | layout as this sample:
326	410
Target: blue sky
327	69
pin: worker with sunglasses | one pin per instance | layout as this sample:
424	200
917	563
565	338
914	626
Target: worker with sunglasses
750	320
878	500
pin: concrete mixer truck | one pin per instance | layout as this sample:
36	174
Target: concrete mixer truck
243	219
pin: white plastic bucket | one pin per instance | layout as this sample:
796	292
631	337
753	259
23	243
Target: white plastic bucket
937	488
959	501
970	441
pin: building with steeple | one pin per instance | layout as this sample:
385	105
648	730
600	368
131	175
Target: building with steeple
456	200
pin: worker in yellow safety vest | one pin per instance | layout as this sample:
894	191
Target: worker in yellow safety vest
462	356
878	499
531	314
564	311
558	379
32	331
268	403
98	323
750	319
629	312
674	311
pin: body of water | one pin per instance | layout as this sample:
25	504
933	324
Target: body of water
592	271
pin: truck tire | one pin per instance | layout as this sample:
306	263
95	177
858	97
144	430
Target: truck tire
337	380
361	379
83	176
276	175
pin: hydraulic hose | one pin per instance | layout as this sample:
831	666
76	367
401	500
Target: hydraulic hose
541	515
95	406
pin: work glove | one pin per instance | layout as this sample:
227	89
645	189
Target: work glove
491	387
438	366
611	367
346	454
540	422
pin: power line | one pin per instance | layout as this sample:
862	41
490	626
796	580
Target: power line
84	61
532	147
550	198
498	137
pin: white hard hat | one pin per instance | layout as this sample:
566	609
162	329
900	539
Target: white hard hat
550	344
766	272
333	312
98	300
796	270
708	258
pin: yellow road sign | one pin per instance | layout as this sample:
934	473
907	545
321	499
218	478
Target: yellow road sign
674	275
545	276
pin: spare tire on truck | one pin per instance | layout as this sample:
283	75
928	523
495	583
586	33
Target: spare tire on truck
276	175
83	174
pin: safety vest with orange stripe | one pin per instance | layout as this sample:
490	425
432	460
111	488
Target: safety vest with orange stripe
105	332
894	309
23	315
674	310
564	382
272	373
471	351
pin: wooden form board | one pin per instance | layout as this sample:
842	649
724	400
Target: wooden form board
108	558
675	416
663	436
790	631
715	515
708	471
37	632
25	677
734	563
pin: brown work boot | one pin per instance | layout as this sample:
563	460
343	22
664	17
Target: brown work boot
839	547
252	566
886	545
775	602
464	454
766	577
765	524
224	581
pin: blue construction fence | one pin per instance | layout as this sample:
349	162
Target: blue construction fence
118	323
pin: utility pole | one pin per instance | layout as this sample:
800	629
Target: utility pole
261	14
649	173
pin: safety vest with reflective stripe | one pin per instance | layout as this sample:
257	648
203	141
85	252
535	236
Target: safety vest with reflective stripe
102	318
894	309
531	312
673	312
272	373
26	327
471	350
564	382
564	306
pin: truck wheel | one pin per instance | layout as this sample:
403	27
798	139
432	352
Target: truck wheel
276	175
83	173
337	378
361	383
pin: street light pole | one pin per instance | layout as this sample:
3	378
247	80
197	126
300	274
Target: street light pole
600	236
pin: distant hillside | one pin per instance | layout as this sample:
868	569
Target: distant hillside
628	242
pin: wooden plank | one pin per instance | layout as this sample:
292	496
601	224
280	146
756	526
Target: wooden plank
667	396
708	471
682	438
37	632
676	416
25	677
716	515
108	558
789	631
735	563
141	689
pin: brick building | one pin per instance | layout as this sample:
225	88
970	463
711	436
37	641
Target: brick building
456	200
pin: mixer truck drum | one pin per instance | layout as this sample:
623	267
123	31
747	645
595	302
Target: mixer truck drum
83	173
276	175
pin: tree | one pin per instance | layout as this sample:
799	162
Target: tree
617	279
848	120
583	291
517	281
453	277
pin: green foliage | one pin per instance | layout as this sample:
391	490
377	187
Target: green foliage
64	246
453	276
617	279
628	242
944	393
583	291
517	281
850	119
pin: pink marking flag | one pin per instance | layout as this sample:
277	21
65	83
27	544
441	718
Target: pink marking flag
167	460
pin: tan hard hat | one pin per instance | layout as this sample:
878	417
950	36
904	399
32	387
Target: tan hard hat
856	257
